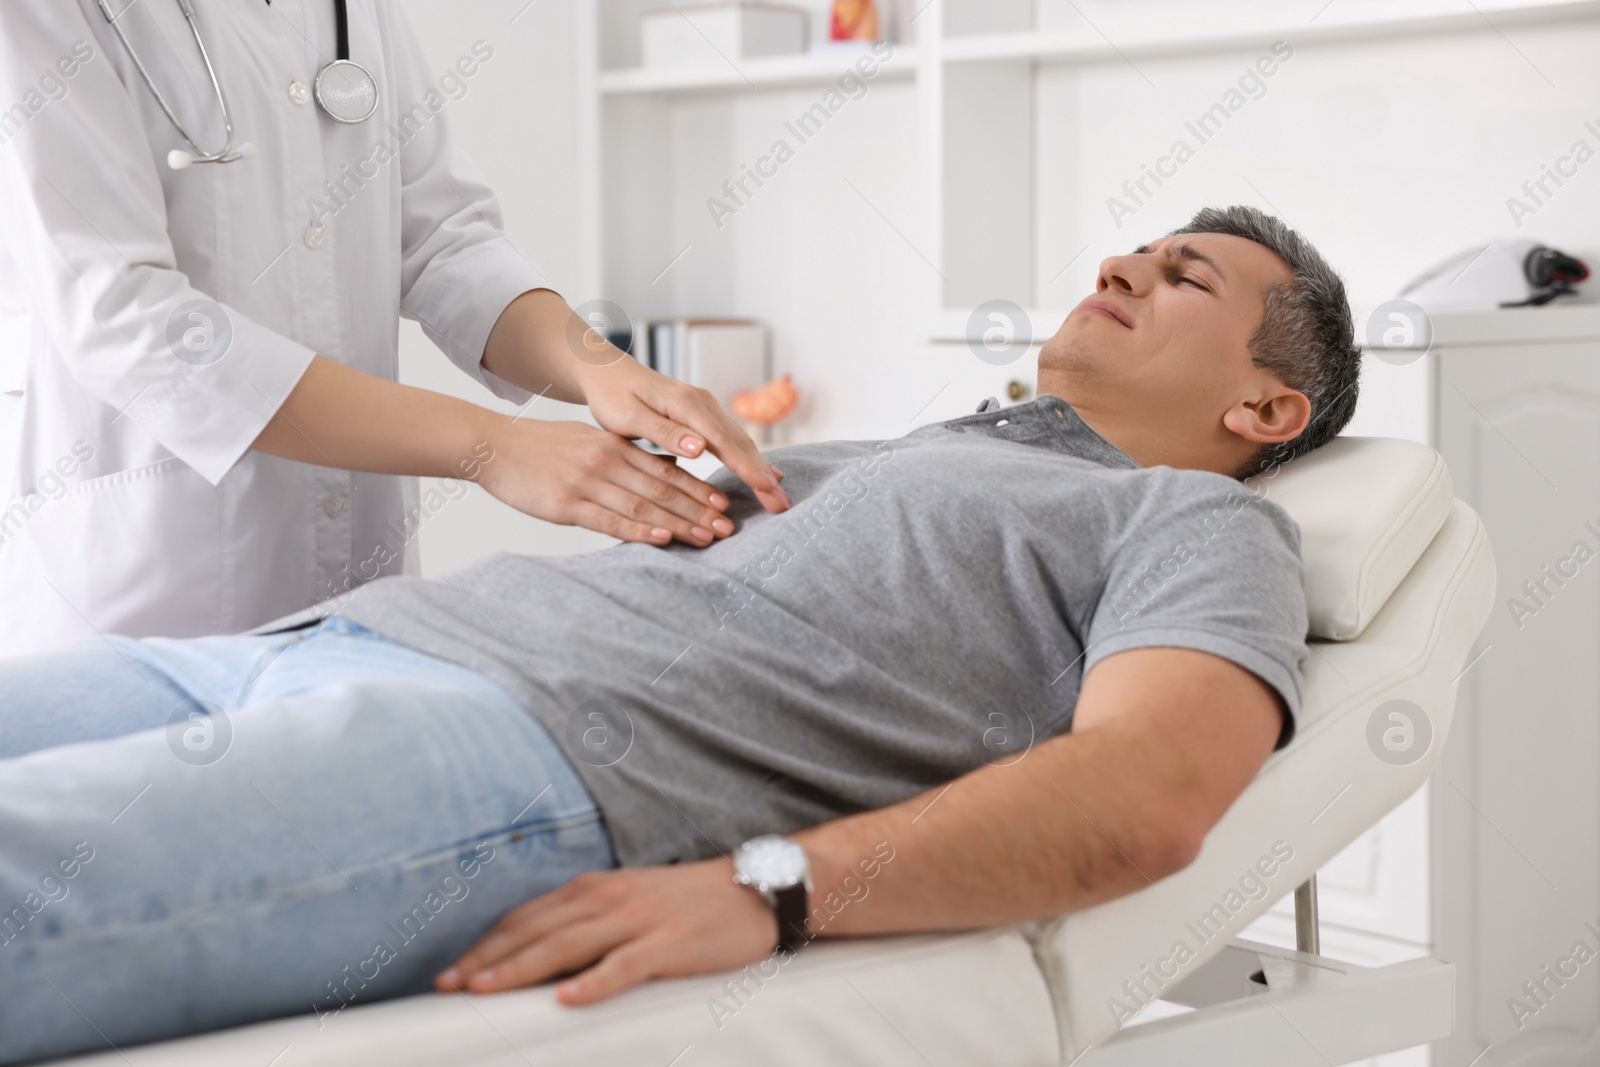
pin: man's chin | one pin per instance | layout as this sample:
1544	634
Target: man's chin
1065	360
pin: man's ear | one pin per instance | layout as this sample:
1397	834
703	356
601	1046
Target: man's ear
1281	415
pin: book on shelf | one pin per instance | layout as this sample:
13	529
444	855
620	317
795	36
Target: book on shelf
721	356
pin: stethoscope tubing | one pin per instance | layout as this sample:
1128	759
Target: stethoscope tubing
227	153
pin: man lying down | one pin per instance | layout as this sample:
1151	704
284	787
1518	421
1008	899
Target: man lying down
1000	668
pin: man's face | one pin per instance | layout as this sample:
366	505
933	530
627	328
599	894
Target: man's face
1166	335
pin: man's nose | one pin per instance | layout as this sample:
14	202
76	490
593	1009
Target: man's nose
1124	274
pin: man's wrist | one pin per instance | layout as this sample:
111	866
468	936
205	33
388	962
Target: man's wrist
847	868
777	868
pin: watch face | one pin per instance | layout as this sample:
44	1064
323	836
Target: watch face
771	862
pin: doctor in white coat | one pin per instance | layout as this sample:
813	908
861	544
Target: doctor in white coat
199	425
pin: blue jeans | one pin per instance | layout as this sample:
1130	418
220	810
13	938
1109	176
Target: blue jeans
197	834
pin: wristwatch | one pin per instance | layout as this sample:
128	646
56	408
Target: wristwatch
776	867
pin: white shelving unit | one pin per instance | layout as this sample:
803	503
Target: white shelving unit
766	72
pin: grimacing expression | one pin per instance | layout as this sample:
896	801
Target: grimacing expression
1158	359
1173	318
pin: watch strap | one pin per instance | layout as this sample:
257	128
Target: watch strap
791	908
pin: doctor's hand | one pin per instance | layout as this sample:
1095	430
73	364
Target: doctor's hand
564	472
619	928
630	399
541	345
575	475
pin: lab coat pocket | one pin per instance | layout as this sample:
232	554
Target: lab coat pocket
137	553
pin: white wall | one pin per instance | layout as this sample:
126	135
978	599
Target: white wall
1390	154
517	122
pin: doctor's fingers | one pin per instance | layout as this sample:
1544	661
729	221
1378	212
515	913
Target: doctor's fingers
637	515
675	489
685	410
728	441
655	499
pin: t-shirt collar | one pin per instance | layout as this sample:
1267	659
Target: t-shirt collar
1067	432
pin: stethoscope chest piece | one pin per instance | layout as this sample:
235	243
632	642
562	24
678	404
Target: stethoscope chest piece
347	92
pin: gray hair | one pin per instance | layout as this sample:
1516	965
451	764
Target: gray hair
1306	337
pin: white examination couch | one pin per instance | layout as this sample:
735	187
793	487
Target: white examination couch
1400	579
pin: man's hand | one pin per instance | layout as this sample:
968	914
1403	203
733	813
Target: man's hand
618	929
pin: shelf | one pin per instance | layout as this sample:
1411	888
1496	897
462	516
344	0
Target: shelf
753	75
1143	39
1157	37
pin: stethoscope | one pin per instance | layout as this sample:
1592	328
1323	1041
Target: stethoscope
345	90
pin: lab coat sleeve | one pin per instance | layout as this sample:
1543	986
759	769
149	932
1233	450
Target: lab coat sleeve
459	269
84	219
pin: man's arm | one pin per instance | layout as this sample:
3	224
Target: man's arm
1163	741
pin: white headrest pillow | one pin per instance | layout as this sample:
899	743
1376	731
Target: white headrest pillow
1367	507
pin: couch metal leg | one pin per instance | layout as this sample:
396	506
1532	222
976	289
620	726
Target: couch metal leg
1307	937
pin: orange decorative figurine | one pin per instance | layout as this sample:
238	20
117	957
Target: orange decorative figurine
855	20
767	405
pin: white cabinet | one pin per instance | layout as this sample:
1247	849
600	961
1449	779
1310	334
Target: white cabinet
1517	793
1495	865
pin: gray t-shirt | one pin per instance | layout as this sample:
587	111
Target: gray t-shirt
930	604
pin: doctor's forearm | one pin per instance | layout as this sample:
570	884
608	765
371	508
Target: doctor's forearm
564	472
341	417
532	346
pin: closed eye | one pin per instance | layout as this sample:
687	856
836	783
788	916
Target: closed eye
1196	282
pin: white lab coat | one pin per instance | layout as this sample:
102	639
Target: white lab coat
132	503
